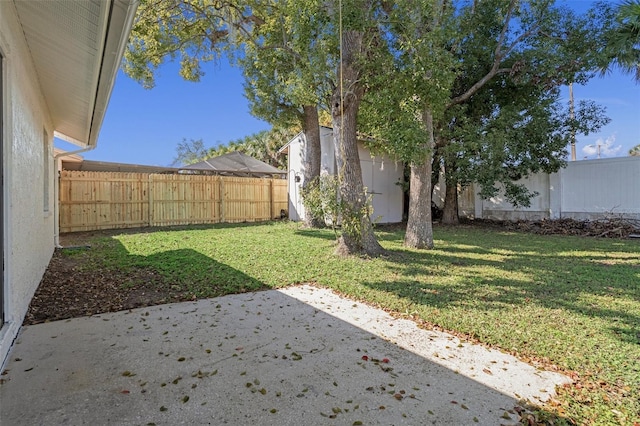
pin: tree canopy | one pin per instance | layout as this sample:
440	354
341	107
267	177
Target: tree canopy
623	40
471	86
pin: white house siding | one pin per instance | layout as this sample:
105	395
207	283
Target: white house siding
379	175
28	229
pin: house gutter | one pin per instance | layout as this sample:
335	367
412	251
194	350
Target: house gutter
56	196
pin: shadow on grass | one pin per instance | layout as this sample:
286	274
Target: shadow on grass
525	276
108	278
549	272
324	233
196	273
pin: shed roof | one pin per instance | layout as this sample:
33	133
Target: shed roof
76	48
237	164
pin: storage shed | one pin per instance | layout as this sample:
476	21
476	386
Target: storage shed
380	174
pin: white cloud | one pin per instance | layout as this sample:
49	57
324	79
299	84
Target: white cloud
602	148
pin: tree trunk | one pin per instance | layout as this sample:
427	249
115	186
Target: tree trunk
450	210
357	231
419	227
311	160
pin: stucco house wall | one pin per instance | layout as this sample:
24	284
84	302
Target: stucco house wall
379	174
27	138
58	66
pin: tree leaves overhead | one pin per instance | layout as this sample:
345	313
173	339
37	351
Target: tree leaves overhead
412	71
623	41
189	31
288	60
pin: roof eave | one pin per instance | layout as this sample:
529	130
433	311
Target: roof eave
118	30
285	147
120	21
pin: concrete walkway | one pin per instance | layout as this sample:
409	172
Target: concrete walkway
297	356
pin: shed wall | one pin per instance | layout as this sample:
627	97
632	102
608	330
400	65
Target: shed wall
379	174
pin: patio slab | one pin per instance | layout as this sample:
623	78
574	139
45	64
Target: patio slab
300	355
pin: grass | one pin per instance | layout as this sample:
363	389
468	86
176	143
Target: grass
571	302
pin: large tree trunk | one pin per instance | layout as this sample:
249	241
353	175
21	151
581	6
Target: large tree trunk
450	210
357	231
311	159
419	227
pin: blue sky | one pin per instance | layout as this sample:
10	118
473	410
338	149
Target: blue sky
144	126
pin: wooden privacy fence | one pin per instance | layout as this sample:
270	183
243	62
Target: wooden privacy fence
108	200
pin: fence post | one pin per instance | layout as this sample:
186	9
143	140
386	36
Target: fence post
150	198
221	180
273	201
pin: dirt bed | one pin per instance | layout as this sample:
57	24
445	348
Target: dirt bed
68	291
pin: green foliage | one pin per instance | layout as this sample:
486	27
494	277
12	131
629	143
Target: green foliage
192	32
508	131
623	41
635	151
505	120
353	217
287	62
412	71
322	200
263	145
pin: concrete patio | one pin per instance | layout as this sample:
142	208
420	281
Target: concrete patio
301	355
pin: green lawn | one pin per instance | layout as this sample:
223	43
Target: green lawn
567	301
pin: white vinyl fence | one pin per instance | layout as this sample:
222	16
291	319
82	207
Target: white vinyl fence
588	189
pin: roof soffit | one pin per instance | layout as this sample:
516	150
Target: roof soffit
76	47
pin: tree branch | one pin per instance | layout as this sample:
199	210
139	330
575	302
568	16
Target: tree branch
521	37
283	47
499	55
478	85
